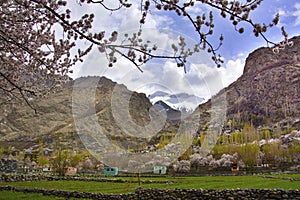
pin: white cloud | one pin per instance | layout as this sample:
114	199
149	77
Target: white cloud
232	71
196	10
282	15
297	14
281	12
203	79
289	15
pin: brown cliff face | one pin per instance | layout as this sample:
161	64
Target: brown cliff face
268	92
20	125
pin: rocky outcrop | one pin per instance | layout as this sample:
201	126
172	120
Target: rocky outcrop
173	115
21	126
268	92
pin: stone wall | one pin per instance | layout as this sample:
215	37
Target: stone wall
217	194
8	166
35	177
166	194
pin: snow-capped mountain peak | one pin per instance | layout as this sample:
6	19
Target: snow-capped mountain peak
181	101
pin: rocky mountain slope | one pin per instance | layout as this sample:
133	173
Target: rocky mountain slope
173	115
267	93
20	125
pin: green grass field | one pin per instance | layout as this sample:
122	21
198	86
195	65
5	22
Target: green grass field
202	182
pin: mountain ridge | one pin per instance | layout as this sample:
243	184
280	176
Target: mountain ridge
173	115
267	93
181	101
55	114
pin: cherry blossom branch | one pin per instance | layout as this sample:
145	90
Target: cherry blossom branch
227	10
106	7
35	58
21	90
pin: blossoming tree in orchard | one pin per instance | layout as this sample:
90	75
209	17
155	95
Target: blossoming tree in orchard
39	41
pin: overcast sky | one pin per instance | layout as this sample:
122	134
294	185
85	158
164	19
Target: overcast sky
162	28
